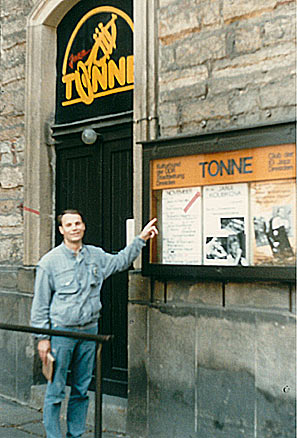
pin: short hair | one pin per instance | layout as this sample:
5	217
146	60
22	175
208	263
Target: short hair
70	211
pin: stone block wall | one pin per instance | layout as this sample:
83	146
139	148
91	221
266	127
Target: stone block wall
225	64
211	361
12	108
17	350
16	282
203	361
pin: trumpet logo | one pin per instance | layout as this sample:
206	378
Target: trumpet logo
99	75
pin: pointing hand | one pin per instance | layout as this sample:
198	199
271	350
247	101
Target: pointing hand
150	230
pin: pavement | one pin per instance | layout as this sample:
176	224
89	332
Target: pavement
21	421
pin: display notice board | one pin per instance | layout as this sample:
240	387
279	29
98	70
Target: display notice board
225	210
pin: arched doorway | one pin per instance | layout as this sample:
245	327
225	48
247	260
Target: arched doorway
39	188
95	90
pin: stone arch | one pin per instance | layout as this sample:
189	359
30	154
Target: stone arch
39	109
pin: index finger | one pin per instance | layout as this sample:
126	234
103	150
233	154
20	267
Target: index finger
152	221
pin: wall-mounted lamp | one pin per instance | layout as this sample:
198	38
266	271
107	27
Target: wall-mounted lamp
89	136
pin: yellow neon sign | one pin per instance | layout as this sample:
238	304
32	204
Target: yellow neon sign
99	74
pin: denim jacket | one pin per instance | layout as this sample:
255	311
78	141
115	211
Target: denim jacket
67	286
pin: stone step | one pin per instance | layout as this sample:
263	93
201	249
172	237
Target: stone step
114	409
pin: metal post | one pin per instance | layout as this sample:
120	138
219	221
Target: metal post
50	332
98	394
99	339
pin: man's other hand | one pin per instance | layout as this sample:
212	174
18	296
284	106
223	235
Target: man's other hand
44	347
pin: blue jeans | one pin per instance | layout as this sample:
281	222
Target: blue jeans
79	355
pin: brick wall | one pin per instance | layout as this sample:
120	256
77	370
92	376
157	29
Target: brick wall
225	64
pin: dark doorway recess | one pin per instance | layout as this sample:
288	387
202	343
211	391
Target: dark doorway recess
97	179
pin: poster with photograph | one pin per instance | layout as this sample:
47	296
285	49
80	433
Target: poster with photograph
181	223
273	210
225	219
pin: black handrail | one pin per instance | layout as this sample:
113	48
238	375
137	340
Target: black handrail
99	339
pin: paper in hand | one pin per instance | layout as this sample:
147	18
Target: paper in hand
48	369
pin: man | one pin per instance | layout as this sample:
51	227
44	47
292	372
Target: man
67	297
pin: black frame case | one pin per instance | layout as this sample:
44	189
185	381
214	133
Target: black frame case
259	136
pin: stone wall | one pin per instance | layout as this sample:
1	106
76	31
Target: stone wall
225	64
203	361
12	130
222	64
18	358
207	361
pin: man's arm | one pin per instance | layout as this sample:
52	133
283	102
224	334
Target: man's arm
40	310
121	261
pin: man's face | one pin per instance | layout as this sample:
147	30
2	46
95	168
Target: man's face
72	228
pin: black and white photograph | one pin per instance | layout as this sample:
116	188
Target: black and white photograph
273	208
226	224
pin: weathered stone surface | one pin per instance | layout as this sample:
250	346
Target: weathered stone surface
11	127
11	193
16	349
178	19
11	220
209	13
11	250
195	49
7	206
271	96
217	107
193	93
244	101
247	39
246	65
11	177
8	279
220	409
171	388
14	56
137	420
139	287
166	60
236	9
258	295
221	337
275	367
190	292
169	116
165	3
278	29
25	280
253	49
183	79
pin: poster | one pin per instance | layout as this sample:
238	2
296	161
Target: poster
181	226
225	219
273	210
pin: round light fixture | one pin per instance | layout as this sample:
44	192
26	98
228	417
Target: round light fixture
89	136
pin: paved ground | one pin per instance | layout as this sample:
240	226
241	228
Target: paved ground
20	421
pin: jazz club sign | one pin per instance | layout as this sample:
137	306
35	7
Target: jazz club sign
95	65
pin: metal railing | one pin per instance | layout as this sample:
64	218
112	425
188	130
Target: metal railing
99	339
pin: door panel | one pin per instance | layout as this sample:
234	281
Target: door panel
97	179
117	207
78	178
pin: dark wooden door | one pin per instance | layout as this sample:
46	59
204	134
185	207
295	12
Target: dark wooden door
97	179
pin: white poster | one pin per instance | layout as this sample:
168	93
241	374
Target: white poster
181	224
225	224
